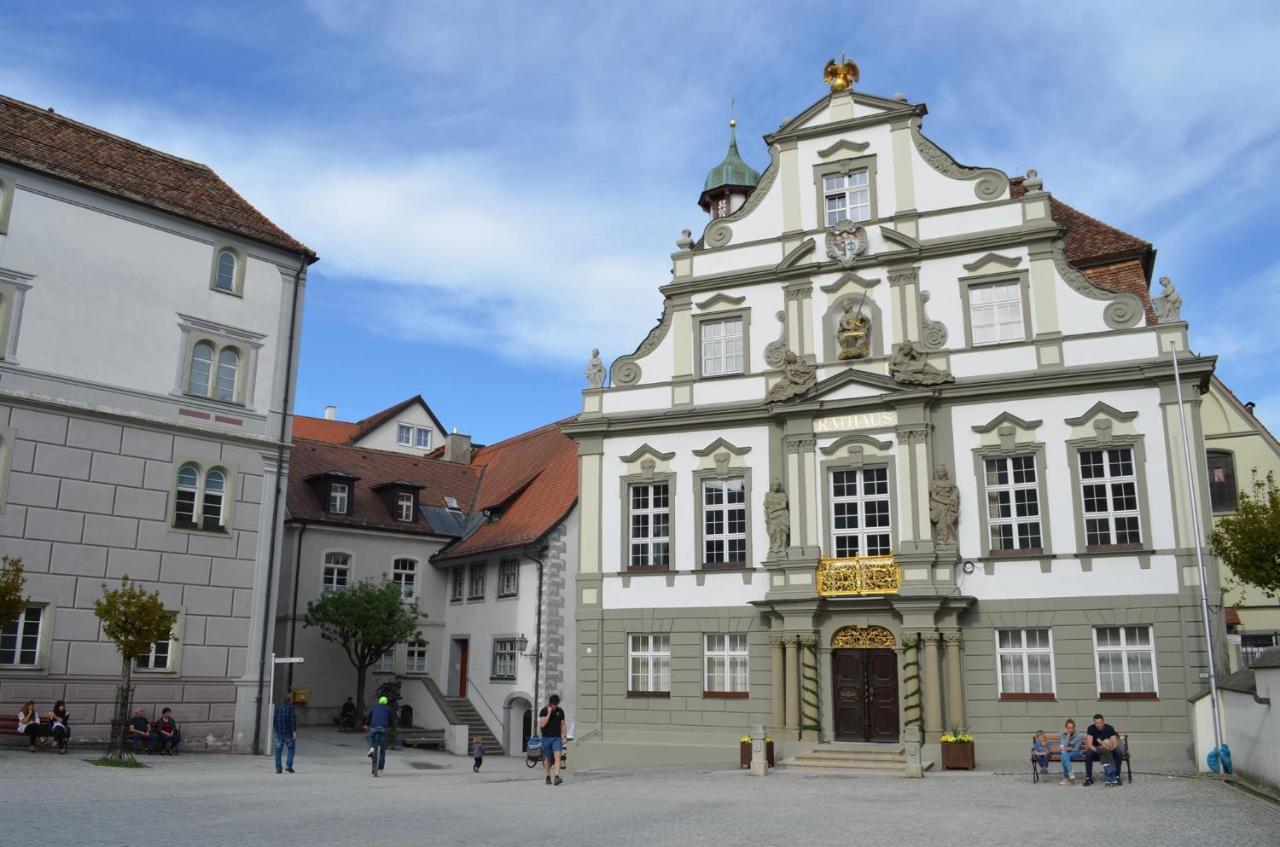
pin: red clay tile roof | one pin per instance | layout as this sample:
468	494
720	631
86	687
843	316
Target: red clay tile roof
530	482
373	467
346	432
44	141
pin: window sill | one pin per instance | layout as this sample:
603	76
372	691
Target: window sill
478	599
507	679
508	596
222	530
1029	697
702	376
643	569
725	695
1113	550
1023	553
1128	695
724	566
226	404
229	292
648	695
25	670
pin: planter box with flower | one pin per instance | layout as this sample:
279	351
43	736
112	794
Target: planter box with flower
744	751
957	750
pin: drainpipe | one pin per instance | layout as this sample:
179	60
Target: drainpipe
268	612
293	610
537	654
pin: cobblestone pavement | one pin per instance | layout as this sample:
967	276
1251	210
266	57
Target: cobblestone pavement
427	798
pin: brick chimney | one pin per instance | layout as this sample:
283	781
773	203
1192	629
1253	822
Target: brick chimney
457	448
330	413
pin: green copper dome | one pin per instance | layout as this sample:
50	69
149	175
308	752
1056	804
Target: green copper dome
732	171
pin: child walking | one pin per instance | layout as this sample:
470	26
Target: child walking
1040	750
477	753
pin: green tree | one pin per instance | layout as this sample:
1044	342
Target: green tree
366	620
133	618
12	603
1248	541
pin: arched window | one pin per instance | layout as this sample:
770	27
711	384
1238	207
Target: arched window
188	491
224	276
215	484
201	366
228	366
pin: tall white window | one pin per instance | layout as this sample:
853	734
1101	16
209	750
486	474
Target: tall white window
860	512
995	312
504	658
214	372
847	196
476	589
1126	660
722	347
404	435
1013	503
424	438
386	662
20	639
725	661
416	657
650	533
228	367
200	498
224	278
1109	496
1025	658
158	658
458	578
337	571
404	506
650	664
201	369
509	578
724	521
404	573
339	492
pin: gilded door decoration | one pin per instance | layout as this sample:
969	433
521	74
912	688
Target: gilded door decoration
854	637
857	576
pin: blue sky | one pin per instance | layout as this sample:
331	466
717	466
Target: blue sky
495	188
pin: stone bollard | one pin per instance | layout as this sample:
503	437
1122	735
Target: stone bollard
911	736
759	764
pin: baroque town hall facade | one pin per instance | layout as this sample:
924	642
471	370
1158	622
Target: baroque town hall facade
903	450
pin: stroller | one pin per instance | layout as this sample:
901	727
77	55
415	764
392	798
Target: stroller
533	753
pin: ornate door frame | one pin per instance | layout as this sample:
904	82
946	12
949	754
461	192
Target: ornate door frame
859	657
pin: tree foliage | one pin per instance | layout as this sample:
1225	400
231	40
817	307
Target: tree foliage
133	618
1248	541
12	602
366	620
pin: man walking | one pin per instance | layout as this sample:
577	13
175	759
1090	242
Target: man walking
378	722
554	728
285	724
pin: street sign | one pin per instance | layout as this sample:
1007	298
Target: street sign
290	660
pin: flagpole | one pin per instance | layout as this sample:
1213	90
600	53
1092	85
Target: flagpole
1195	536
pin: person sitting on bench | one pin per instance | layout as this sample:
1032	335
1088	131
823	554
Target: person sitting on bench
166	735
1102	744
1070	743
60	725
140	729
29	723
347	718
1040	750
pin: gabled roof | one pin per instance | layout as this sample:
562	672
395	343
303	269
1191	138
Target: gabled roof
377	468
529	483
44	141
347	432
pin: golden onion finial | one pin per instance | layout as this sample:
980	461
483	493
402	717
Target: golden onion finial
842	76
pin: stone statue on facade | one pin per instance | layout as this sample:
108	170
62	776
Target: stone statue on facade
854	334
777	517
1169	304
944	506
595	370
908	364
798	376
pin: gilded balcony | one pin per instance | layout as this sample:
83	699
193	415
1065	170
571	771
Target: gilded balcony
858	576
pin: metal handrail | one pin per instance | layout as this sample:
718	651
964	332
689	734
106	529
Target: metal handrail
471	683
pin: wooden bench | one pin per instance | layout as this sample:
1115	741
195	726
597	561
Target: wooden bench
9	725
1055	755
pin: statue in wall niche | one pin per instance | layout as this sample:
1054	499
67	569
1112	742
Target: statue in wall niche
1168	305
798	376
908	364
854	334
595	370
777	517
944	506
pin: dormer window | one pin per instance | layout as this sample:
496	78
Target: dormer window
451	503
339	497
405	506
401	499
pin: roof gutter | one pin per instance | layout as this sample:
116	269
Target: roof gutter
277	496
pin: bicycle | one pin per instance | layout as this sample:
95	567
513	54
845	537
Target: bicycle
378	751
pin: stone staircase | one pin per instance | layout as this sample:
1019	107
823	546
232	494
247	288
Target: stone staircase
852	758
464	712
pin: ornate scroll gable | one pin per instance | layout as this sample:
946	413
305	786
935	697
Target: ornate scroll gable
935	332
862	638
991	183
1124	310
776	351
794	258
626	369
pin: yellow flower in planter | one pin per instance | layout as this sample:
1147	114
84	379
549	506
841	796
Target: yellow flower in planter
955	737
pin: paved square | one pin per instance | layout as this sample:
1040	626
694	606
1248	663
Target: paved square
433	798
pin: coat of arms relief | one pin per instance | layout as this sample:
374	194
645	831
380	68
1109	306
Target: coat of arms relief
846	241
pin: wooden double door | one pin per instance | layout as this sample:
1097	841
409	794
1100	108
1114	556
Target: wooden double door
865	685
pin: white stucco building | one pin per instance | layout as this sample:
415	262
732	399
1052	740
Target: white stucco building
965	398
149	328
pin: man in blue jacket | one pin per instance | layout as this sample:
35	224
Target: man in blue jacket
285	724
378	722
